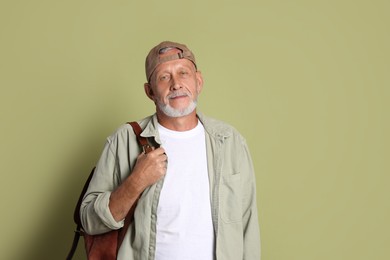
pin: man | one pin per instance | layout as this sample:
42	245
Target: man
196	189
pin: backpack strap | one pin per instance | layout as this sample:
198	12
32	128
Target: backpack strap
76	217
143	142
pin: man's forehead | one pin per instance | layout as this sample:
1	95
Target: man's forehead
177	64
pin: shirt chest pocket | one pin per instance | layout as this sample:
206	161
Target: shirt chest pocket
230	199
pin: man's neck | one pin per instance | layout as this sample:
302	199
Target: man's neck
183	123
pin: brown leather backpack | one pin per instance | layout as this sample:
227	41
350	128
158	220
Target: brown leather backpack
104	246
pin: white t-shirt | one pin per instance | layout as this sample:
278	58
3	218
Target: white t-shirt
184	224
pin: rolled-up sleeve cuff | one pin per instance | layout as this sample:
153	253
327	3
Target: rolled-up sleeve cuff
103	211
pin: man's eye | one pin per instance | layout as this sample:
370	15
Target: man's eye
164	78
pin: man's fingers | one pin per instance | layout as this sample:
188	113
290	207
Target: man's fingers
159	154
159	151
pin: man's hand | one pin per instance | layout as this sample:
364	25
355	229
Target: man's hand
148	169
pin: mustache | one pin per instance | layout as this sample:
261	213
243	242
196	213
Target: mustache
179	93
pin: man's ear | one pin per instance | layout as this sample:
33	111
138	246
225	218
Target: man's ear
149	91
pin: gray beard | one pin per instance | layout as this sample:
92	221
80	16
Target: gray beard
172	112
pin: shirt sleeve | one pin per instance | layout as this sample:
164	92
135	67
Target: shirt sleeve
96	217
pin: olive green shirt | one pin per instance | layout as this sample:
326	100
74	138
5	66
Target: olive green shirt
232	193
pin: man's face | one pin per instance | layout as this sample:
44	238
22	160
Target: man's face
175	86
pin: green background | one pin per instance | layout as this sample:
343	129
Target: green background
306	82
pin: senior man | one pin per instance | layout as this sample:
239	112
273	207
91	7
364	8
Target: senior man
195	192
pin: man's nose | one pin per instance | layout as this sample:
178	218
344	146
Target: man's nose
175	83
